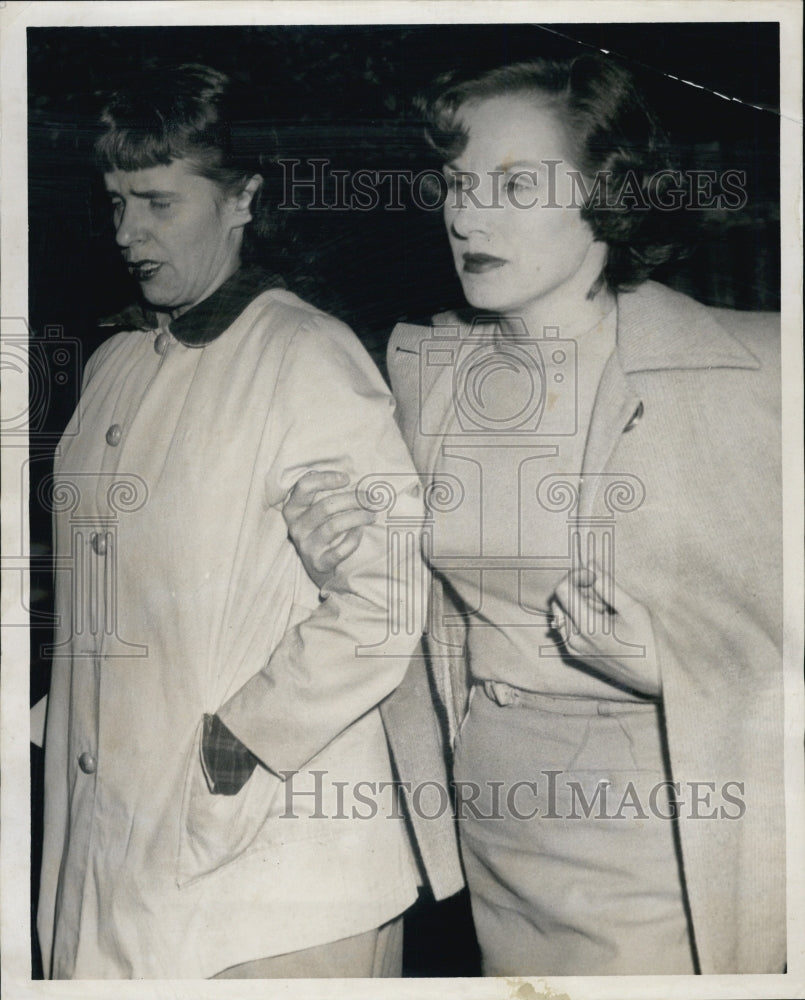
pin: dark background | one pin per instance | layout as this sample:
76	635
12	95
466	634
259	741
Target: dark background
346	94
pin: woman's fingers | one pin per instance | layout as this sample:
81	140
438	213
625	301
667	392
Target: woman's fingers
589	583
587	607
315	481
593	588
579	603
558	620
325	526
617	598
339	520
303	493
304	515
342	550
562	621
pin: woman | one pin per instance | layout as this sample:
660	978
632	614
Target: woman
210	711
602	455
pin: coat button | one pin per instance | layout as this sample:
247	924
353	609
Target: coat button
635	418
113	435
161	343
88	762
99	543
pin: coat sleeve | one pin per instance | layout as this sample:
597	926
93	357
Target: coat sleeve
332	411
720	643
444	643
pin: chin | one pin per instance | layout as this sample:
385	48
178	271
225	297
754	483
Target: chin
163	301
481	298
488	295
490	304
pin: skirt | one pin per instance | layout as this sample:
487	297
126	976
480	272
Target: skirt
568	836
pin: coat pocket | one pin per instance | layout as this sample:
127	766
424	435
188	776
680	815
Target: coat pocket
215	830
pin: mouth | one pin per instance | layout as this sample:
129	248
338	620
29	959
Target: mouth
480	263
143	270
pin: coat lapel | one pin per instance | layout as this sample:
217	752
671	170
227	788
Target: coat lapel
658	330
615	404
661	330
423	390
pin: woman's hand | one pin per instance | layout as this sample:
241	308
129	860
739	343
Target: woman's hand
327	530
602	625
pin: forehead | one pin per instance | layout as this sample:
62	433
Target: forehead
511	129
177	177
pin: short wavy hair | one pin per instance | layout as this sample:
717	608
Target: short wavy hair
612	136
180	112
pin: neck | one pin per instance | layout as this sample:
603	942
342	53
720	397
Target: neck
572	316
223	275
570	306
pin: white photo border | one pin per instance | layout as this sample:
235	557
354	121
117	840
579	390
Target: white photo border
15	17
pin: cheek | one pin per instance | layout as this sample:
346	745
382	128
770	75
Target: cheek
202	244
448	215
565	234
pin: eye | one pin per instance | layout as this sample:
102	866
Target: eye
160	205
456	180
521	180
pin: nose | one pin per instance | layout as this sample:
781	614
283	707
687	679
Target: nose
467	211
129	226
463	223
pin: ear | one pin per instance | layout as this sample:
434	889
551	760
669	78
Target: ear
243	201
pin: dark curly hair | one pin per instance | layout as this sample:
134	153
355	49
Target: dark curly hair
181	112
614	140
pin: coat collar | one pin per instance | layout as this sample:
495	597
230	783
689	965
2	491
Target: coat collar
206	321
660	329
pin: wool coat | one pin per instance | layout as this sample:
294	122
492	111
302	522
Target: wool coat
687	419
179	593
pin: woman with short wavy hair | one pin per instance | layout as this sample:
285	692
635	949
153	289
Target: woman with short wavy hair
602	460
207	706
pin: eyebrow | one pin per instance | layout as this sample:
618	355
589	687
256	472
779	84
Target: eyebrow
146	195
517	164
501	167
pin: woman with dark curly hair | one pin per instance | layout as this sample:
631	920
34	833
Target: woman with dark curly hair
610	634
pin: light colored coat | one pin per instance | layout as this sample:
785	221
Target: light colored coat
179	593
702	550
